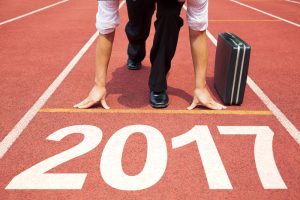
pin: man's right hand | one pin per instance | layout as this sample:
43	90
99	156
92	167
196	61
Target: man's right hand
96	95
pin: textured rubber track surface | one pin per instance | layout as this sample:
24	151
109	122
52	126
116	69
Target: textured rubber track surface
37	48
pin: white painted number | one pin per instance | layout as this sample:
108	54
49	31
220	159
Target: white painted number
214	169
111	161
263	153
155	166
36	177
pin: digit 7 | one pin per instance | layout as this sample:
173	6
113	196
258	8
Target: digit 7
263	153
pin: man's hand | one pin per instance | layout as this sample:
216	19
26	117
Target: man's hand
96	95
203	97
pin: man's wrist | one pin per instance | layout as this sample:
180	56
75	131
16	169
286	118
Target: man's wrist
100	83
202	85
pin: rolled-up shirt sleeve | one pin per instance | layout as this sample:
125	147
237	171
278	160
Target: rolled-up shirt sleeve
197	14
107	17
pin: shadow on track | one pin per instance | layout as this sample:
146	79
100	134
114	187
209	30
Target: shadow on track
133	87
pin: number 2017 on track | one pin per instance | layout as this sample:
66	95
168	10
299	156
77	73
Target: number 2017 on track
36	177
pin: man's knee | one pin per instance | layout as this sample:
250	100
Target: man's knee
137	33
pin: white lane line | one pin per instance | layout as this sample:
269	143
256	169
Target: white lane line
293	1
33	12
271	15
13	135
281	117
285	122
25	120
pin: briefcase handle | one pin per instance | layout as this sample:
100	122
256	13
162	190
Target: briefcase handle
234	38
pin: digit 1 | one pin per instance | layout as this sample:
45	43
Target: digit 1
214	169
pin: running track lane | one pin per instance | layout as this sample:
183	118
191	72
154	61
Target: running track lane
184	176
284	9
34	50
274	63
13	8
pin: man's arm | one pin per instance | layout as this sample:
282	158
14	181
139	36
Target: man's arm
199	49
107	19
103	53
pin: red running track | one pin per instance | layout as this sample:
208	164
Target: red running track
280	8
13	8
185	176
34	50
274	63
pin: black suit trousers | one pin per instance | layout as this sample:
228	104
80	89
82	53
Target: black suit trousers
167	26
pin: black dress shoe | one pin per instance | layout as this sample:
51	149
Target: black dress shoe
133	65
159	99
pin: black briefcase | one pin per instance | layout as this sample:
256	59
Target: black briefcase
231	68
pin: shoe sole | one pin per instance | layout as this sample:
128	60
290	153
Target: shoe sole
134	68
159	106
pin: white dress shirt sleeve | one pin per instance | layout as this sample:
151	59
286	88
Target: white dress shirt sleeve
197	14
107	18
